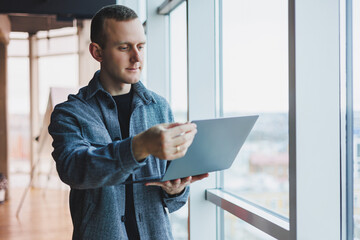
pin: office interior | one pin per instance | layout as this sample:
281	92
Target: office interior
293	63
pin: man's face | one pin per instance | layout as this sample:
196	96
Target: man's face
123	55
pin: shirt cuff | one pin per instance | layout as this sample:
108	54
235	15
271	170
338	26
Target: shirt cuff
127	160
174	203
174	195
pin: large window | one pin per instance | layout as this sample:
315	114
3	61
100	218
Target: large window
255	81
56	53
275	59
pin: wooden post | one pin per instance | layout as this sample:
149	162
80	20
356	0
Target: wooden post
4	41
34	102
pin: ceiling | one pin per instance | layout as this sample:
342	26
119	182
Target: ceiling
33	23
36	15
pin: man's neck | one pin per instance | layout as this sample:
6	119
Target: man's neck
114	88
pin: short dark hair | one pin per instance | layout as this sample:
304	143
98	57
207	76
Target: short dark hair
117	12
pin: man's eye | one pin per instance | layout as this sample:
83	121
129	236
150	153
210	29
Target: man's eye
123	48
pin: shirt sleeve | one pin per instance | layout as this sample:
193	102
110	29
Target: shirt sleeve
84	166
173	203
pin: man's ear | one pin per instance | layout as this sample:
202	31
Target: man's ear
95	51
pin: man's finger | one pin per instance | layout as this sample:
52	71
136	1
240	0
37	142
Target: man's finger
184	138
183	128
168	184
160	184
186	181
171	125
179	154
199	177
175	183
182	144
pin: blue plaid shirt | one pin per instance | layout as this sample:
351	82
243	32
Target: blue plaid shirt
93	159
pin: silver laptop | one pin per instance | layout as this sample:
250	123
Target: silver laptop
215	147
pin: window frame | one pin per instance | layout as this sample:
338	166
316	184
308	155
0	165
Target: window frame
347	117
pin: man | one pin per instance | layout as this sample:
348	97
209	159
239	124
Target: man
114	131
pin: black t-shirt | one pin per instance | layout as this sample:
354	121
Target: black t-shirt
123	103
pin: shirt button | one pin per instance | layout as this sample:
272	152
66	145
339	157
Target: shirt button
111	105
123	218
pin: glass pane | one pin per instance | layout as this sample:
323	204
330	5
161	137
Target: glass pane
178	96
57	32
19	120
356	104
18	85
58	71
68	44
178	63
236	229
18	47
19	35
255	81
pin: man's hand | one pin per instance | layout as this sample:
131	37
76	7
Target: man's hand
164	141
177	186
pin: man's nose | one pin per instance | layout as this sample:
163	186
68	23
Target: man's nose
135	56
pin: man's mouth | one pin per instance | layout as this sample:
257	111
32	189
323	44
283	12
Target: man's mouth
133	68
